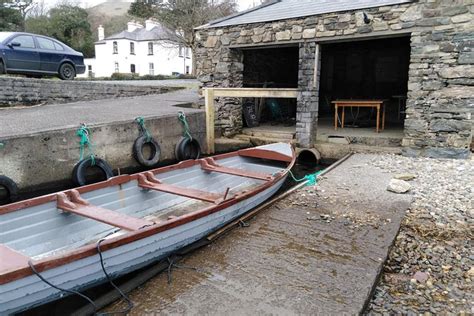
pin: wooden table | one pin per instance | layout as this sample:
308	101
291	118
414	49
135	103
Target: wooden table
378	104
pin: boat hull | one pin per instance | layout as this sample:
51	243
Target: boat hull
30	291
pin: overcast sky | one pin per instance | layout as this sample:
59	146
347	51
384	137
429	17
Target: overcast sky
243	4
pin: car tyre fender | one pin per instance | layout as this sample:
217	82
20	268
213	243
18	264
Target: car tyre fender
187	149
12	190
79	171
155	156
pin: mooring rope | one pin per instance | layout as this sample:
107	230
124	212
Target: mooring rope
311	179
59	288
84	133
109	279
184	121
141	123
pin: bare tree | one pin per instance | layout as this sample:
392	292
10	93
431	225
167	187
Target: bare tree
23	6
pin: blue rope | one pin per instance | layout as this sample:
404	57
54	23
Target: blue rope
311	179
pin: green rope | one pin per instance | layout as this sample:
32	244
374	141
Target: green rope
83	132
311	179
182	119
2	145
141	123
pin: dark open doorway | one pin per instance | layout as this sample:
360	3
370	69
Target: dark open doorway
366	70
275	67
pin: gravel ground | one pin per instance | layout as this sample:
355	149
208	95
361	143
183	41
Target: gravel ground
431	266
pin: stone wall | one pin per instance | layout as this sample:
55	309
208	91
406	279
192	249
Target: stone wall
28	91
441	76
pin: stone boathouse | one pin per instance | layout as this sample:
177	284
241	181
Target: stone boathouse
416	55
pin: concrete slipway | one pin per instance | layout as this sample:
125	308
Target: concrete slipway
318	251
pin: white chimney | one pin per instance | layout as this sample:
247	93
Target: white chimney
132	26
100	32
150	24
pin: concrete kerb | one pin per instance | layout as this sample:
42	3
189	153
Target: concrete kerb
45	159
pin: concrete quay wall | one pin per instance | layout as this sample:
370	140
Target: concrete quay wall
42	161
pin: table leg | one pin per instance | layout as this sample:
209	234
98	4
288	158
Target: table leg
343	116
378	118
335	117
383	116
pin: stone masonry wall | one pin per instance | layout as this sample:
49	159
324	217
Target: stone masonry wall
440	88
307	104
27	91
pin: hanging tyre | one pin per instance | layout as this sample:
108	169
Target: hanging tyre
79	173
187	149
155	151
8	190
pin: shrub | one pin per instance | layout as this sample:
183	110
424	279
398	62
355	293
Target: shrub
124	76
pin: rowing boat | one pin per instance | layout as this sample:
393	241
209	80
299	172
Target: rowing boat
136	219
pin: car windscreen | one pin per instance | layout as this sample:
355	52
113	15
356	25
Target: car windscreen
4	35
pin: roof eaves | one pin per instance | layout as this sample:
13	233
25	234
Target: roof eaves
264	5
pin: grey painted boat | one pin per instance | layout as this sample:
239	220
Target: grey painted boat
143	217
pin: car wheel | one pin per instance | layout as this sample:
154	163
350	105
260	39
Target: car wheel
2	67
67	72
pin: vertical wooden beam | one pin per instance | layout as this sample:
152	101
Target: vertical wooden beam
210	117
317	54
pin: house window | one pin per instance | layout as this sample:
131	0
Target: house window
181	51
115	47
150	48
116	67
132	48
132	68
188	52
151	67
187	70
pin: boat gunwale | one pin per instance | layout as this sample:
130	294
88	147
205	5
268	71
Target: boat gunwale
132	236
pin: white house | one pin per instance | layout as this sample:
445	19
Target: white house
150	50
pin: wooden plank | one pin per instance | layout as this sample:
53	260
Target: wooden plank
75	204
317	65
148	181
256	92
210	165
11	259
210	117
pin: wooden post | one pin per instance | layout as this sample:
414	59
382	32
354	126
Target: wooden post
210	116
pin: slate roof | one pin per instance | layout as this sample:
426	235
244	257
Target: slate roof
142	34
287	9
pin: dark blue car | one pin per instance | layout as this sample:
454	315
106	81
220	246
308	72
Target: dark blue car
31	54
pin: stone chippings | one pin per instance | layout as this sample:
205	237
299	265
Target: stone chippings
430	269
441	74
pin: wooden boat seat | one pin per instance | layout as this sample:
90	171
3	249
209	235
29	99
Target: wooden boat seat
73	203
209	164
11	260
147	180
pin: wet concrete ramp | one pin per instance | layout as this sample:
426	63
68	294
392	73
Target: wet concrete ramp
318	251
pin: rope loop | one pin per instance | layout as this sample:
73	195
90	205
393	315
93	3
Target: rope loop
143	130
84	134
184	121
